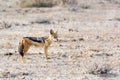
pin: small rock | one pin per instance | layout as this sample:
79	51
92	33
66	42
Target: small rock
25	73
70	30
60	45
64	56
8	54
74	40
81	39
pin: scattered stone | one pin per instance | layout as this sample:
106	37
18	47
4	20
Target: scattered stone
64	55
8	54
74	40
40	53
97	37
109	54
4	10
42	22
17	24
81	39
25	73
70	30
95	50
24	24
117	19
60	45
118	46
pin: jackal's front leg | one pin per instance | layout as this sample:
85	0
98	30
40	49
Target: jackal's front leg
45	51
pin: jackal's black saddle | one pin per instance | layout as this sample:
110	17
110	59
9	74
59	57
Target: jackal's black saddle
37	39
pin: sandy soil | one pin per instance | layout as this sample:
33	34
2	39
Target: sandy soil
88	46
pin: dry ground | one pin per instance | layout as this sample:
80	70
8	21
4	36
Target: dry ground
88	46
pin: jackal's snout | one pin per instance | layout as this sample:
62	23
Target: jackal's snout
56	37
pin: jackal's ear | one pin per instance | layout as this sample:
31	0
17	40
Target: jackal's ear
51	31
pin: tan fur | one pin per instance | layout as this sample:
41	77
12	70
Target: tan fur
26	43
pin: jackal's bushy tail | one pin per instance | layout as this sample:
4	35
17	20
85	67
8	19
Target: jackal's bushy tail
20	49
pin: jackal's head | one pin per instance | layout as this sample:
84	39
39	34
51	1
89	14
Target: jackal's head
54	34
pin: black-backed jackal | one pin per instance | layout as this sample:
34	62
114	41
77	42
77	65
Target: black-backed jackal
44	42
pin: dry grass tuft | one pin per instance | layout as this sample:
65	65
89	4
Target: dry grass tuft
5	25
7	45
100	69
85	55
95	49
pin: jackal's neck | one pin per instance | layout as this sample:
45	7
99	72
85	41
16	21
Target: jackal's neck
49	39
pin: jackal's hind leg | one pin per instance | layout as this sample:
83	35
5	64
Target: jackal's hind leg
22	59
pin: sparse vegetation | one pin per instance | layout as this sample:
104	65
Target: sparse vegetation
98	69
39	3
45	3
5	25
